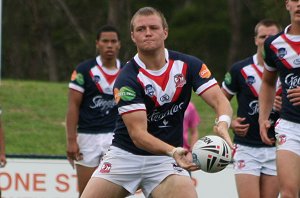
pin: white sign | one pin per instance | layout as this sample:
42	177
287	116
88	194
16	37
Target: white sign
37	178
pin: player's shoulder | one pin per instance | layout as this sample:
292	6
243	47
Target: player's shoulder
242	63
272	38
88	63
175	55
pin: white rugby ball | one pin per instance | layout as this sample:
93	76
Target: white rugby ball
211	153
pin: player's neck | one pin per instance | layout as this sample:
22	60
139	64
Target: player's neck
260	59
109	63
153	61
294	29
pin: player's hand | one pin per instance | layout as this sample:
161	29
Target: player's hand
222	131
239	128
184	160
73	153
263	128
294	96
277	103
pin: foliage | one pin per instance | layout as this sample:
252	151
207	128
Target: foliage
45	40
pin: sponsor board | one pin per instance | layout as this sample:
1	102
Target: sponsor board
37	178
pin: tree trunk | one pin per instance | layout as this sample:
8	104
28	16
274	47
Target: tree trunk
119	16
73	20
234	7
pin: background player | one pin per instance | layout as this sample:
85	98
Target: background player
191	122
152	91
282	57
92	111
254	161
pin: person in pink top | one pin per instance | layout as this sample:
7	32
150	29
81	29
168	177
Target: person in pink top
190	126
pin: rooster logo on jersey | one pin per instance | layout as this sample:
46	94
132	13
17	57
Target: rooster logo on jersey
179	80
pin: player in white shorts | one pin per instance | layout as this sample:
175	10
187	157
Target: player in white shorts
93	147
254	161
288	136
153	91
92	112
282	58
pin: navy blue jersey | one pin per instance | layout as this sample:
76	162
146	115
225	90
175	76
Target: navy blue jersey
163	94
282	55
244	80
98	110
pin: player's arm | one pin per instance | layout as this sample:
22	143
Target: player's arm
136	124
266	100
217	100
74	101
228	96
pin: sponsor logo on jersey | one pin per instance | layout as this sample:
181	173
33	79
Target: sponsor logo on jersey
157	116
105	168
292	80
104	105
116	95
179	80
73	76
165	98
253	105
165	124
297	61
149	90
281	53
204	72
96	78
250	80
127	93
79	79
227	78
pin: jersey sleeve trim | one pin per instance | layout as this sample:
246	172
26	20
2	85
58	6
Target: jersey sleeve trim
131	108
227	89
271	69
76	87
206	86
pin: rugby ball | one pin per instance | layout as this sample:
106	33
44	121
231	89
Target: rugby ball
211	153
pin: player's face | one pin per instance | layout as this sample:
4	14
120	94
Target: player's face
148	33
263	33
108	45
293	6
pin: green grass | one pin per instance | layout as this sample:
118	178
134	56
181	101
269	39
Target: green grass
34	116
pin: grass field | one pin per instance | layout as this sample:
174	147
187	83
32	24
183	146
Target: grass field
34	116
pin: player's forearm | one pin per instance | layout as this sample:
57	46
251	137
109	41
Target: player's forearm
152	144
71	125
136	123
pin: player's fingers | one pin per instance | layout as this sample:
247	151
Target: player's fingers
265	138
78	157
193	168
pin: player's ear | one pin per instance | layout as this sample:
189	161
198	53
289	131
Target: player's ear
166	33
132	37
